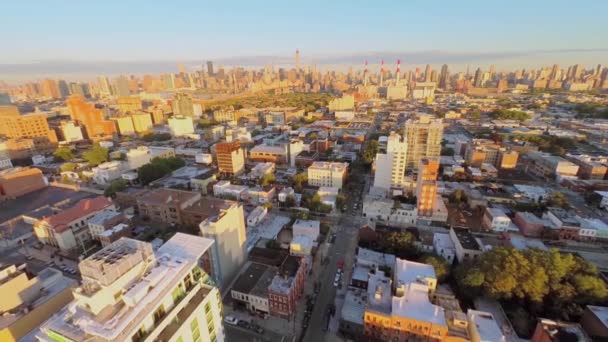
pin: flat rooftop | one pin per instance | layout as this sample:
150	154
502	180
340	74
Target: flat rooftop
415	304
407	272
249	278
48	196
466	239
379	296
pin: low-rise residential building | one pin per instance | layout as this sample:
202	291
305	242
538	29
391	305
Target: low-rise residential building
484	327
545	164
287	287
256	216
262	169
166	205
564	222
142	155
224	189
131	293
496	220
327	174
310	228
250	288
68	229
260	194
105	220
267	153
444	246
28	301
106	172
529	224
181	126
467	246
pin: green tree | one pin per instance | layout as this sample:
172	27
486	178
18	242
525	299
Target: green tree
158	168
67	167
290	201
442	269
400	243
558	199
96	155
370	151
447	151
458	196
115	186
505	114
299	180
64	153
340	201
267	179
273	244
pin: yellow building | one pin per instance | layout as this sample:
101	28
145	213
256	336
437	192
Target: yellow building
423	136
409	313
33	126
124	124
142	122
9	111
128	103
29	301
344	103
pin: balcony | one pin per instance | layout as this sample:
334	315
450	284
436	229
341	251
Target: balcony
182	315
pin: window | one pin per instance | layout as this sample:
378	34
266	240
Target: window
159	314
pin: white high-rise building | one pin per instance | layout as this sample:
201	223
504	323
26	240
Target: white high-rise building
390	162
130	293
70	131
181	126
227	229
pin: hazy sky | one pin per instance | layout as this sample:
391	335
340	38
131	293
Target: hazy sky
180	30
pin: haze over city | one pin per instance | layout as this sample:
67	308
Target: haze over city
84	39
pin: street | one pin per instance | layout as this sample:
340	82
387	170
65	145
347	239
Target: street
344	248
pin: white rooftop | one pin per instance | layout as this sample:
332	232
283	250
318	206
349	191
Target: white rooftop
415	304
487	327
408	272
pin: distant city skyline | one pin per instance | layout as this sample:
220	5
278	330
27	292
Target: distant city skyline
82	39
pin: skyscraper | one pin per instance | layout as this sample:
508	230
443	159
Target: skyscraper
104	85
210	68
390	162
182	104
50	89
423	136
64	90
121	86
477	81
426	188
427	73
444	77
297	60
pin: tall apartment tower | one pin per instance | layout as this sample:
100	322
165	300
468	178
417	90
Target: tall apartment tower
427	73
390	162
182	105
426	188
227	229
423	136
210	68
131	293
297	60
230	157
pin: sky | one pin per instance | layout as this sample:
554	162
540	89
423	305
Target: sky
71	36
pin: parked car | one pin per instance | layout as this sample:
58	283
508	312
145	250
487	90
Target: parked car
243	324
231	320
